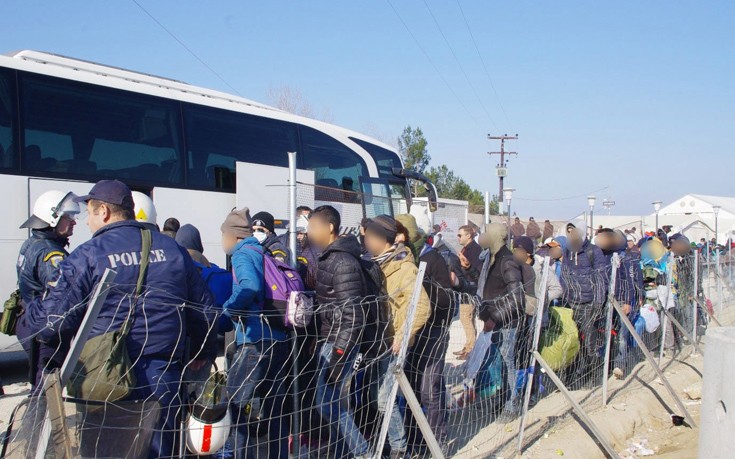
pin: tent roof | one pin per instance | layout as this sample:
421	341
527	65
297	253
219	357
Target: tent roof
700	204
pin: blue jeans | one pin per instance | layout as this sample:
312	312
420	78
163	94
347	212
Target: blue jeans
330	402
396	428
508	353
270	375
160	379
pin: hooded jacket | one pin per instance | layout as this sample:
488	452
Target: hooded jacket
38	263
399	270
160	323
502	289
584	275
340	288
245	305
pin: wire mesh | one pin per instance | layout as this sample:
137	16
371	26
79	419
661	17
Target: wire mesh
473	406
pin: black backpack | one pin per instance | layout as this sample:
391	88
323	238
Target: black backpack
376	309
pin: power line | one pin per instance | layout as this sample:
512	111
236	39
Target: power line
459	64
436	69
189	50
487	73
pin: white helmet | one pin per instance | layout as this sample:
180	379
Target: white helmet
50	207
208	426
206	437
302	224
145	211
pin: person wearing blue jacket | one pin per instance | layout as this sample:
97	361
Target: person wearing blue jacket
52	224
175	305
259	368
584	281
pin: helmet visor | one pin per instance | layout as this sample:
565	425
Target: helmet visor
67	207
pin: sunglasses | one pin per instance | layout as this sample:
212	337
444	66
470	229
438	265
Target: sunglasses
259	230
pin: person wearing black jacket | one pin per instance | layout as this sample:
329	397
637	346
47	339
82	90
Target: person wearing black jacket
500	283
340	287
470	259
425	360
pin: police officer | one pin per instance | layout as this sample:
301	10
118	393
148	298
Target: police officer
51	225
175	304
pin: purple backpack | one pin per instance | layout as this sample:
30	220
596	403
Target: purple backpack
284	293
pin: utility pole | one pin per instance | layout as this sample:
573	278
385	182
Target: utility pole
501	169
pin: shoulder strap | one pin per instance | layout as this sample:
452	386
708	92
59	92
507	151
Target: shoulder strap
145	255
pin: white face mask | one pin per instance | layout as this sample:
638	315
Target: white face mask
260	236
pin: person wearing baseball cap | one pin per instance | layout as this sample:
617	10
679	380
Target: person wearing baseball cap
145	289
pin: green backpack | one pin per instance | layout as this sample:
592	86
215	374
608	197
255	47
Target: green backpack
104	371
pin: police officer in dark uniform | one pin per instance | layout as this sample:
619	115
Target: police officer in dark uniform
51	225
176	305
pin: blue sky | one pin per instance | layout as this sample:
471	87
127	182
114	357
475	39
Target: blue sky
632	100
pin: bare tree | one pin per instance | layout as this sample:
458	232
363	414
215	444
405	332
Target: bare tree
292	100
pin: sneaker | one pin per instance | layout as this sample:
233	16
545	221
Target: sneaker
398	454
618	373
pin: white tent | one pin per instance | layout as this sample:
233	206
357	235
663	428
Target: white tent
694	215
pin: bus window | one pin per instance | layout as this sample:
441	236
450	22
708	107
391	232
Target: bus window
7	117
386	161
75	130
216	139
384	158
335	166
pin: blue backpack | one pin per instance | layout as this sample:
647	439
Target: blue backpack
219	282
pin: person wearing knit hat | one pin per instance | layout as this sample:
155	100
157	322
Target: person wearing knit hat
264	227
254	334
237	225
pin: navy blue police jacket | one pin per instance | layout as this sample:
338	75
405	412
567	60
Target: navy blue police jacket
38	263
175	304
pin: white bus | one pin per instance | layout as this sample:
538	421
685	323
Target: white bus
67	123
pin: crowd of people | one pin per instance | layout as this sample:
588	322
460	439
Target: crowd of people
363	285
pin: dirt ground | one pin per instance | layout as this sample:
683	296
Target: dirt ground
637	419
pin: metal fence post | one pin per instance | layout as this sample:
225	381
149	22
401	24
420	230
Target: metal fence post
292	206
695	290
534	347
609	325
718	273
402	381
624	319
75	349
296	416
606	446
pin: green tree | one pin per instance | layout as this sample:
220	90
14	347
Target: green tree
412	146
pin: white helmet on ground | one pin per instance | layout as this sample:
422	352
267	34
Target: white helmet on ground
50	207
145	211
208	426
205	437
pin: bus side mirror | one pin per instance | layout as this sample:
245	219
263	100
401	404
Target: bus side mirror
428	185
